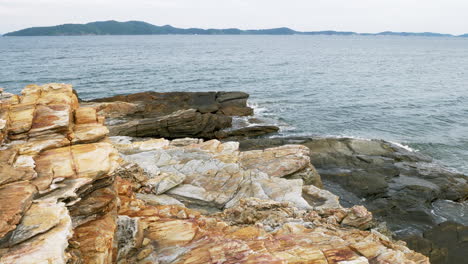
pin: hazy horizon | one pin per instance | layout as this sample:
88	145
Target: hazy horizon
363	16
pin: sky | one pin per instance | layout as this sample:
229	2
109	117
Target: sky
370	16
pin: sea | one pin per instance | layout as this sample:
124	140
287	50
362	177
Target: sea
408	90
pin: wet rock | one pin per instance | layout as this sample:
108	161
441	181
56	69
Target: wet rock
399	186
444	243
246	132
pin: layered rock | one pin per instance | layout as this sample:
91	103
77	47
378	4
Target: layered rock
214	175
178	115
399	186
53	156
67	197
226	103
254	231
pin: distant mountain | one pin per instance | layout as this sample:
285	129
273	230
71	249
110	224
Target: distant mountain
142	28
412	34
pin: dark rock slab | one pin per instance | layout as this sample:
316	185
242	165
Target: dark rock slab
159	104
247	132
183	123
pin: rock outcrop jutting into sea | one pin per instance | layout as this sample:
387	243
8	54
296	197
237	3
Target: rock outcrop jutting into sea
68	196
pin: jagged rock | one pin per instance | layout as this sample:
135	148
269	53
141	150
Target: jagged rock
93	241
216	175
88	161
163	199
40	218
62	200
46	247
166	103
15	199
259	231
46	171
290	161
182	123
319	198
398	185
177	115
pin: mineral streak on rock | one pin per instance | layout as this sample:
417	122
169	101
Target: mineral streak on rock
66	196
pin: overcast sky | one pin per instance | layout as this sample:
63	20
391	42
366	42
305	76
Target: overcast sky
444	16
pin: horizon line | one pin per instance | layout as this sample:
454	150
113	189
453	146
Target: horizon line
258	29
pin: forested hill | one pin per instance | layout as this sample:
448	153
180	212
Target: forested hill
142	28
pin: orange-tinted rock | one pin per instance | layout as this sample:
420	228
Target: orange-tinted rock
88	133
54	163
85	115
94	160
47	247
94	240
15	199
51	119
8	172
21	118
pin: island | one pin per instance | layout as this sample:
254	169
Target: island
113	27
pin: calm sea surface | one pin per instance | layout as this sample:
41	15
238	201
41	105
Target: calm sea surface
410	90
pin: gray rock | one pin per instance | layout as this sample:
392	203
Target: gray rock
399	186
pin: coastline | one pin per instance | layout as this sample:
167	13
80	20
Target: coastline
155	170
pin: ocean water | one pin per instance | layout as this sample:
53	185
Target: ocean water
410	90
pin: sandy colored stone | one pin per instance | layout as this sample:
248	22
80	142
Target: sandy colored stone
45	248
21	118
171	233
115	109
277	162
85	115
38	219
15	199
94	160
87	133
96	239
54	163
51	119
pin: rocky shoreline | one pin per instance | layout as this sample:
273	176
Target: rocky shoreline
157	178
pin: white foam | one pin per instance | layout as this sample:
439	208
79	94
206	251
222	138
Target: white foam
408	148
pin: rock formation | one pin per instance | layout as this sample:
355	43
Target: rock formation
67	196
178	115
401	187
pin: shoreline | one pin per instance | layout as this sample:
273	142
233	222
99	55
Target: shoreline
216	174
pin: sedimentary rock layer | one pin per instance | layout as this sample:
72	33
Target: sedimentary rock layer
67	196
178	115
